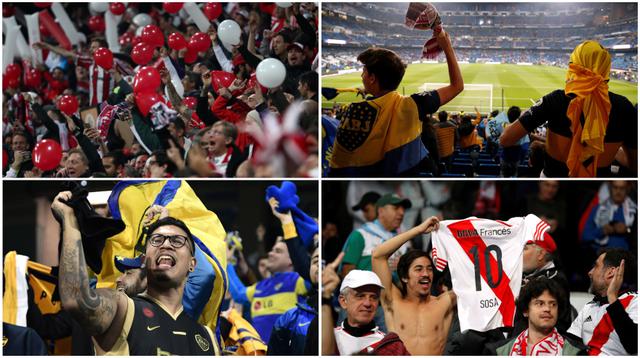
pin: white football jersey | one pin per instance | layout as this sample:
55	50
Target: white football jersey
485	260
595	327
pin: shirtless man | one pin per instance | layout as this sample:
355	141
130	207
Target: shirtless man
422	321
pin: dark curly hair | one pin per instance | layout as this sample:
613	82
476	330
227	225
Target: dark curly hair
536	287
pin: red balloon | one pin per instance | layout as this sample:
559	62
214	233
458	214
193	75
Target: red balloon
10	82
145	100
221	79
146	80
68	104
117	8
252	83
42	5
136	40
33	78
142	53
47	154
44	31
199	42
125	39
103	58
212	10
7	11
190	56
172	7
190	102
13	70
96	23
152	35
177	41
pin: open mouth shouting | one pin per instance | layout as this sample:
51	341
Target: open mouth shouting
165	261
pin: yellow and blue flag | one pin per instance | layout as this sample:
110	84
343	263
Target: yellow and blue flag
378	137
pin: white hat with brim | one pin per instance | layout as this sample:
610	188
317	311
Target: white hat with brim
359	278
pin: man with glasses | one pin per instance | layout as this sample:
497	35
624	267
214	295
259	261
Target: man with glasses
153	323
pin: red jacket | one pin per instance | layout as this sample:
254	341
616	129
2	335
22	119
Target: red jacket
390	345
236	115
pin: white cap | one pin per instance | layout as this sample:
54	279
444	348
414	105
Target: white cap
359	278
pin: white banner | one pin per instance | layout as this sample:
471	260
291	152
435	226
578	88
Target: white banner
175	79
33	29
21	47
64	21
10	50
111	30
197	16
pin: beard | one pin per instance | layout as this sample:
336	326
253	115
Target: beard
596	289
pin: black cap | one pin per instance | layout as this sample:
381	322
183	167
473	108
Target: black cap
126	263
392	199
368	198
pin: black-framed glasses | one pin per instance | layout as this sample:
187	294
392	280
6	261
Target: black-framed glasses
177	241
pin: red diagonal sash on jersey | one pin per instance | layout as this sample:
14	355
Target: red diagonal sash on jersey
503	291
603	330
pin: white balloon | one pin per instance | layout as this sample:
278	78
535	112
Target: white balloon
139	31
99	7
229	32
142	20
271	72
284	4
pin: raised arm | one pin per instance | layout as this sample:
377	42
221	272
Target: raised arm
299	256
456	84
95	310
57	49
381	254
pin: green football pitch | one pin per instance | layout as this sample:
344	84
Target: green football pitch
516	85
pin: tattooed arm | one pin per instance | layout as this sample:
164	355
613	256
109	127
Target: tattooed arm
96	310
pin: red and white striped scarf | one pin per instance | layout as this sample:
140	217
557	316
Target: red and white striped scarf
99	84
550	345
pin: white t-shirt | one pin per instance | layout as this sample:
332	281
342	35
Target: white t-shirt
597	332
486	297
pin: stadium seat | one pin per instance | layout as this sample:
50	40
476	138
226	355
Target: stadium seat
489	169
453	175
466	169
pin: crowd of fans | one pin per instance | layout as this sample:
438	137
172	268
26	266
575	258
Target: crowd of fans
269	307
373	313
205	111
481	35
463	144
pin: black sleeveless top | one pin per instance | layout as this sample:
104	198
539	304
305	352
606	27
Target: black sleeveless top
155	332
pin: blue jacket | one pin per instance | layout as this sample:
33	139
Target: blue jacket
289	333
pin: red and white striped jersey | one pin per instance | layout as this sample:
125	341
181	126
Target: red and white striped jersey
594	325
100	81
485	260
